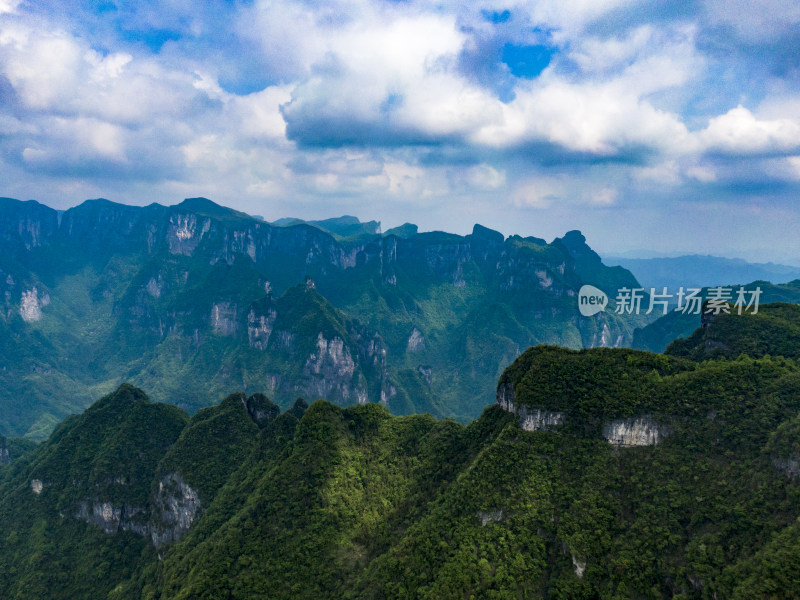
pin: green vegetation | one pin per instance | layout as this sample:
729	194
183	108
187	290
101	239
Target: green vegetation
325	502
774	330
271	497
195	302
656	336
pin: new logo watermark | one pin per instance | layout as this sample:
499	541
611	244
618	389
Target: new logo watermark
591	300
690	301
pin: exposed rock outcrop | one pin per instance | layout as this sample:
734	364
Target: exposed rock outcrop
224	319
637	431
185	233
579	566
113	518
530	419
259	328
623	433
261	409
329	372
490	516
416	341
30	305
176	507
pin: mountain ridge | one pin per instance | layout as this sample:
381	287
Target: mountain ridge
663	477
697	270
176	300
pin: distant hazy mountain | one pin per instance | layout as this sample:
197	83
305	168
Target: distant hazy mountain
702	271
342	227
406	230
195	301
659	334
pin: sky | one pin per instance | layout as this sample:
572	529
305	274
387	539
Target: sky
653	126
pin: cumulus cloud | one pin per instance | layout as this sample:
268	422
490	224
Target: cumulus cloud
426	104
8	6
739	132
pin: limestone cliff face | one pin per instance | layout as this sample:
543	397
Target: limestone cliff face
176	507
185	232
224	318
530	419
416	341
31	304
106	226
638	431
26	225
201	229
259	328
175	277
345	364
330	372
198	227
113	518
622	433
517	271
491	516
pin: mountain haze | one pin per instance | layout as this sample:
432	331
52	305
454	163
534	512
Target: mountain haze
195	301
694	270
658	335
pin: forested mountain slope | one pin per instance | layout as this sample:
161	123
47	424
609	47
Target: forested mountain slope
608	473
196	301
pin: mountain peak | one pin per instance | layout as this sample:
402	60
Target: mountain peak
100	203
489	235
343	227
575	242
201	204
405	231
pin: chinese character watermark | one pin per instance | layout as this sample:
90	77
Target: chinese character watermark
689	301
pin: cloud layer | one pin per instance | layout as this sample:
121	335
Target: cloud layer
532	117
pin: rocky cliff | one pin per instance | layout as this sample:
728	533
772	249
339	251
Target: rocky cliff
190	301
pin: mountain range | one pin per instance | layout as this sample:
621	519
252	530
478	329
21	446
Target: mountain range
699	271
597	473
195	301
659	334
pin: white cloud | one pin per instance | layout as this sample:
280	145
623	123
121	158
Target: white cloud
793	163
738	132
107	67
404	178
568	18
69	141
603	197
703	174
483	177
384	107
595	55
258	114
9	6
601	119
538	192
44	70
665	173
754	20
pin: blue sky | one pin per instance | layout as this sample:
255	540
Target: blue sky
647	125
